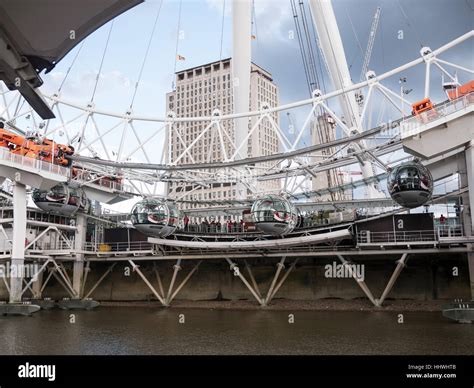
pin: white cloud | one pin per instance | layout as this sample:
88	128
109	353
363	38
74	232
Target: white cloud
216	5
79	87
271	16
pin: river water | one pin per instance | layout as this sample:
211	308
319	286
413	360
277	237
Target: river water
138	330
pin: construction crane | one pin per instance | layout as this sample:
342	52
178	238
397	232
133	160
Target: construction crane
370	43
291	124
368	54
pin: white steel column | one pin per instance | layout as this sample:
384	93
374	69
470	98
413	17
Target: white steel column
241	65
331	44
18	243
78	265
468	213
427	78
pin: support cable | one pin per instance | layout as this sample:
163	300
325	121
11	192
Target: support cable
359	45
222	30
177	37
70	67
409	24
312	61
320	55
301	44
146	54
102	60
254	23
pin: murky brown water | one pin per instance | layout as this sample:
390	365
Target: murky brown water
128	330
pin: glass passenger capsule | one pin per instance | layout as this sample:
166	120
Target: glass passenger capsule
273	214
61	199
410	184
155	217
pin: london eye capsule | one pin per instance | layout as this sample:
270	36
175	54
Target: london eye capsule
61	199
273	214
410	184
155	217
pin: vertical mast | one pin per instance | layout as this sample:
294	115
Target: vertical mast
241	57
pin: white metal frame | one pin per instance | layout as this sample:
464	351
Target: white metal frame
225	171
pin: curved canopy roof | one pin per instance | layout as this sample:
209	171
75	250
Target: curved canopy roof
36	35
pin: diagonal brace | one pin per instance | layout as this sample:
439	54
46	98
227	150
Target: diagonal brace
359	281
235	268
400	265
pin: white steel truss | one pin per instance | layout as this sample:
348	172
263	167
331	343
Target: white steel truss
129	142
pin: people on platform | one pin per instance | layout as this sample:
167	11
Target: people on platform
215	225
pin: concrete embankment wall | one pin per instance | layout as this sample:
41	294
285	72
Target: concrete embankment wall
424	278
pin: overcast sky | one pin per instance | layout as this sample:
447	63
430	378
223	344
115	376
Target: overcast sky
427	22
430	22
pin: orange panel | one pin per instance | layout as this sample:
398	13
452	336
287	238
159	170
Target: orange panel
461	90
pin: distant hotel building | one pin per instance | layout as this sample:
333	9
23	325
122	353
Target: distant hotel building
198	92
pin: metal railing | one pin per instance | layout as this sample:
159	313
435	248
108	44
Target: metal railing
127	246
103	181
369	237
105	247
37	215
37	164
52	245
450	231
414	125
5	245
222	228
